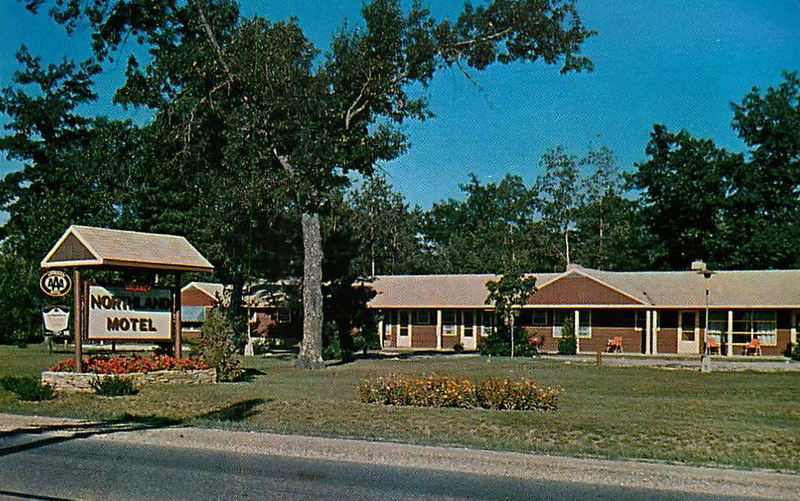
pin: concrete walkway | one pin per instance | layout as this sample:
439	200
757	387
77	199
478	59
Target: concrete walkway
724	364
680	478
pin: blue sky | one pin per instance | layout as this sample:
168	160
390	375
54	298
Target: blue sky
680	63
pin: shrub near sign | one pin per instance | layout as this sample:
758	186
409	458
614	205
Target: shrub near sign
137	313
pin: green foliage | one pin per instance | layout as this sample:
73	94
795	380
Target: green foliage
216	346
20	301
508	294
795	353
568	344
445	391
684	184
115	386
332	343
458	348
27	388
498	343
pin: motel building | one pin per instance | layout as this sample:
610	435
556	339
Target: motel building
651	312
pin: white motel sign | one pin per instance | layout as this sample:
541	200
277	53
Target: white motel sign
131	314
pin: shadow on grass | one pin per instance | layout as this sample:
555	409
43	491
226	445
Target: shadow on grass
234	412
18	440
249	375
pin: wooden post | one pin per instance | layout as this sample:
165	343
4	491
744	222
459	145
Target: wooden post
77	318
176	315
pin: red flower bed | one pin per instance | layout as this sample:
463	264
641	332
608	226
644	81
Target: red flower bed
104	364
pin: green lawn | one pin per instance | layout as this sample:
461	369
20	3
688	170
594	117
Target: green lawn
745	420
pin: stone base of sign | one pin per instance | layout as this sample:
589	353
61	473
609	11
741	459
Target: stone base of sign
82	381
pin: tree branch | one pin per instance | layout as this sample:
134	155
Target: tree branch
354	109
213	41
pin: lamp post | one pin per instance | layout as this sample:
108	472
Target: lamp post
701	268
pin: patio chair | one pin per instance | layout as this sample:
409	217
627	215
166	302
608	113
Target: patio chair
536	341
614	344
712	345
753	347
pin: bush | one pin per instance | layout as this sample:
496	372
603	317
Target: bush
568	345
498	343
796	352
28	388
217	348
444	391
332	349
458	348
105	364
115	386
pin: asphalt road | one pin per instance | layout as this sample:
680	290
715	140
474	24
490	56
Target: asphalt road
47	465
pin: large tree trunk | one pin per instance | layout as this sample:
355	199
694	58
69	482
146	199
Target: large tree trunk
310	356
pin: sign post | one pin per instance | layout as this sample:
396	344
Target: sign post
76	319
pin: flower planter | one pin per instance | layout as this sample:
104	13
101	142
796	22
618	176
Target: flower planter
82	381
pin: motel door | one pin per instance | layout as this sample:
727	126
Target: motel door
688	332
468	339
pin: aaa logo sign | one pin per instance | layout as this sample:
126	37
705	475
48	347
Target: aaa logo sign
119	313
55	283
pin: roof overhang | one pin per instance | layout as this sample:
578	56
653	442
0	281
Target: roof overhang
89	247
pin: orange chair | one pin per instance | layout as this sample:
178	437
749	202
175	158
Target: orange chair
753	347
536	341
713	345
614	344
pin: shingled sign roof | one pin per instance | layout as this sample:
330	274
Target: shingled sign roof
87	246
766	288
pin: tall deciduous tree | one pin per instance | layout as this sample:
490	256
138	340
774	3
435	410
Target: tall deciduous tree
764	206
318	121
684	185
561	191
608	233
388	230
493	227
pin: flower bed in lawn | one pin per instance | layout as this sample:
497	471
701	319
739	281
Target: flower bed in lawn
445	391
157	369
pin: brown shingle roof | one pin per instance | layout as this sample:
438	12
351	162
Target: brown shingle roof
90	246
766	288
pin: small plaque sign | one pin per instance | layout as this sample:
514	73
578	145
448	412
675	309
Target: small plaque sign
56	319
55	283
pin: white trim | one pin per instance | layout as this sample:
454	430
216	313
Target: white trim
439	329
730	333
656	328
576	326
70	231
648	326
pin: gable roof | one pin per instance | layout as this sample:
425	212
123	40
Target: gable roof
89	246
670	289
212	290
432	291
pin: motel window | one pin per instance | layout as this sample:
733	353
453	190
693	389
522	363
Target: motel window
423	317
640	320
404	319
469	323
585	323
538	318
448	323
559	318
487	322
718	325
750	324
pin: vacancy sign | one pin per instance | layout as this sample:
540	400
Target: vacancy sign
129	313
